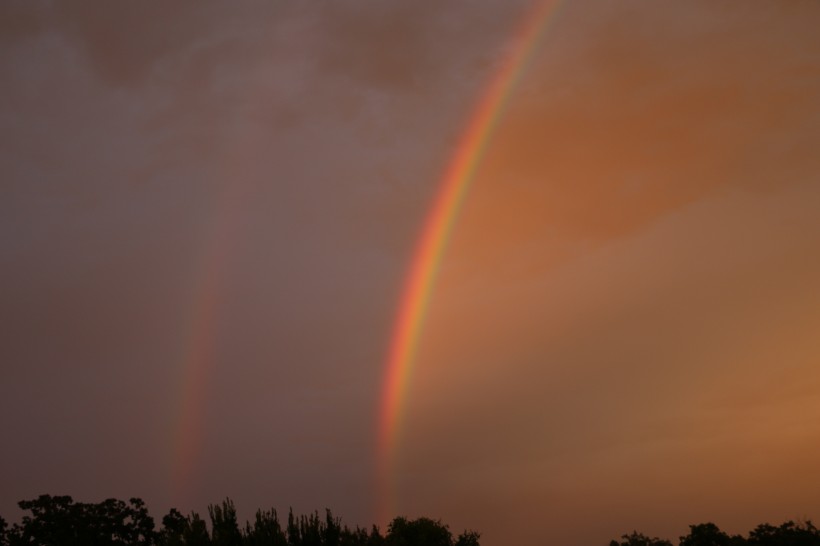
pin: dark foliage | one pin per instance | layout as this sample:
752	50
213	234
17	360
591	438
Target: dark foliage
638	539
708	534
788	534
59	521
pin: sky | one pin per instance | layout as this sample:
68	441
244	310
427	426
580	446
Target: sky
208	212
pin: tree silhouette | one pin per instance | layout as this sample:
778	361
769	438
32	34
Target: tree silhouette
266	530
173	529
639	539
375	538
708	534
294	536
59	521
196	533
468	538
224	525
787	534
418	532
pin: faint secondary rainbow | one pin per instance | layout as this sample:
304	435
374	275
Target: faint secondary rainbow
198	358
197	361
436	233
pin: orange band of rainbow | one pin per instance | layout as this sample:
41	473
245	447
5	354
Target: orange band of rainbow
436	233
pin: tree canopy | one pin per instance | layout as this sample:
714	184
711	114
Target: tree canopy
709	534
59	521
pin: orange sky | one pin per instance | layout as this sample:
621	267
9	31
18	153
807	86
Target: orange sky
626	324
623	334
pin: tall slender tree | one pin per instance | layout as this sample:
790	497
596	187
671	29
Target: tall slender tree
224	525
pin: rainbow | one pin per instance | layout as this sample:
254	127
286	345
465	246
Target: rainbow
196	365
197	358
436	233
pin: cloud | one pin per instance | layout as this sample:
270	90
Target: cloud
612	375
131	155
633	254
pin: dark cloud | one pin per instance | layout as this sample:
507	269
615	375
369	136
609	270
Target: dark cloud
635	252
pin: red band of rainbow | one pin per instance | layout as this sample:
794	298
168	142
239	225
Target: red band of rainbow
435	236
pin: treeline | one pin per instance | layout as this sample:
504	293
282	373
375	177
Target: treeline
59	521
709	534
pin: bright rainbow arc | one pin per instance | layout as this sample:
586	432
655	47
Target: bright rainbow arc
436	234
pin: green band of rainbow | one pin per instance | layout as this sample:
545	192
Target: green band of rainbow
436	233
